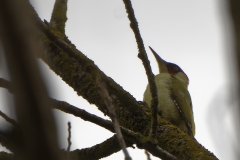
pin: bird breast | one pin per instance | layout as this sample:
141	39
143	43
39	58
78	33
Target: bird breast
166	106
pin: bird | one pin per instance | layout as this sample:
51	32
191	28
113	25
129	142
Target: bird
174	99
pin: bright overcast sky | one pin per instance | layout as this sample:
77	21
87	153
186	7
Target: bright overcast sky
189	33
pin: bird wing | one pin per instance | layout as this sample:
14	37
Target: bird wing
182	99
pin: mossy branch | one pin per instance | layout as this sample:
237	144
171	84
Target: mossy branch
98	151
59	15
127	109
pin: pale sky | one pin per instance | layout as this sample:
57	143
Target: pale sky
189	33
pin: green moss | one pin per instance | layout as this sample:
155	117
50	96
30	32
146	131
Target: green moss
59	16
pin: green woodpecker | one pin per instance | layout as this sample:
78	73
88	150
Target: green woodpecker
174	99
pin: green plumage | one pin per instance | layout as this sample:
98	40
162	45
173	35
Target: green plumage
174	102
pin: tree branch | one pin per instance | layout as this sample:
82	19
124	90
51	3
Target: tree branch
143	56
98	151
5	84
102	90
8	119
59	15
133	137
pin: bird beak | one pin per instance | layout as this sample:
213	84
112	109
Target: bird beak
161	63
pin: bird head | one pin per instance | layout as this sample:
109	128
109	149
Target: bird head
171	68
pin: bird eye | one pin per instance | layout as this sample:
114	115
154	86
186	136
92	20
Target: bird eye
175	68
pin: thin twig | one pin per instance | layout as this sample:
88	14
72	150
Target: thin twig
7	85
143	56
147	154
158	152
69	139
67	108
103	92
8	119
